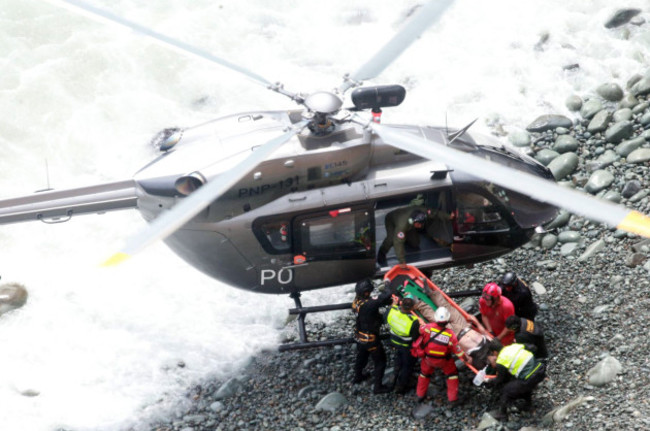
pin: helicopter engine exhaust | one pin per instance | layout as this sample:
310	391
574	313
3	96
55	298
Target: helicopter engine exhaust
189	183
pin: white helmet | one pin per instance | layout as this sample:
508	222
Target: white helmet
442	315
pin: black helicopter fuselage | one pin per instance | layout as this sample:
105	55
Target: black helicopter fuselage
312	215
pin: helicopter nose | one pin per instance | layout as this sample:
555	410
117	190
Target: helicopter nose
189	183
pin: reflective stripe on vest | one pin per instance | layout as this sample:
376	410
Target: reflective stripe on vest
440	339
514	357
400	326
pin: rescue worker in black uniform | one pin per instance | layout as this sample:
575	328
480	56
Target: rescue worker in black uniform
528	333
404	329
518	292
517	374
366	333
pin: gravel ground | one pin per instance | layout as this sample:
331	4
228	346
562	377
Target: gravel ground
591	283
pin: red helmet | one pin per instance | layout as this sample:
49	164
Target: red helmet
492	291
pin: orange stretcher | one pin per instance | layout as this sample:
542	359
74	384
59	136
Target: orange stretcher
472	335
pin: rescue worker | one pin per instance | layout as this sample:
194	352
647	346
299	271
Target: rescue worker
528	333
404	225
366	334
517	374
518	292
438	343
495	309
404	329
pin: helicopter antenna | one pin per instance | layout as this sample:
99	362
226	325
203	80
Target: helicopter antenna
47	174
459	133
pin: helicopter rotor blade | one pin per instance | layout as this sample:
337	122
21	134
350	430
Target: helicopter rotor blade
105	16
170	221
540	189
426	16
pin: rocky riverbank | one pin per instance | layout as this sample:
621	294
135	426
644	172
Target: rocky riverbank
591	283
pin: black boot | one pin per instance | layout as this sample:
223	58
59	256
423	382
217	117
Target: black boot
381	389
500	414
381	259
360	378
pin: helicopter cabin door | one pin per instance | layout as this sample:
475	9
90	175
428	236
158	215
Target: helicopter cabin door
484	228
398	238
333	247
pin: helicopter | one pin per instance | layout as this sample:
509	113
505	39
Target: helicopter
282	202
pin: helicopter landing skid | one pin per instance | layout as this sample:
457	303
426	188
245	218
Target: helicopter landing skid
302	312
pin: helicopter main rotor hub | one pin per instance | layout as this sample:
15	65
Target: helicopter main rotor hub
323	102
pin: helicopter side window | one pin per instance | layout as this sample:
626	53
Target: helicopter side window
476	213
275	235
339	231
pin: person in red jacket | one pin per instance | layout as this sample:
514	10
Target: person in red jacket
495	309
437	344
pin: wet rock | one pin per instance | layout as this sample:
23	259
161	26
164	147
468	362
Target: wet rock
569	248
599	122
641	88
558	414
331	402
639	155
622	115
631	188
629	101
228	389
568	236
560	220
538	288
487	421
622	16
592	250
619	131
564	165
545	156
610	91
565	143
626	147
549	241
519	138
635	259
599	180
422	410
549	122
604	372
590	108
573	103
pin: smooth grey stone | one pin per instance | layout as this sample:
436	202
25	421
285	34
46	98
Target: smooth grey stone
331	402
558	414
626	147
639	155
622	115
645	119
622	16
638	196
545	156
640	108
592	250
599	121
568	236
421	411
610	91
590	108
599	180
228	389
629	101
563	165
573	103
604	372
569	248
538	288
631	188
549	241
612	196
565	143
642	87
519	138
549	122
619	131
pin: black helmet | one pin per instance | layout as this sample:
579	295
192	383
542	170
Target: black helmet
509	279
418	216
364	286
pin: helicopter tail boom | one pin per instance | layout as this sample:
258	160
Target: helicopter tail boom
55	206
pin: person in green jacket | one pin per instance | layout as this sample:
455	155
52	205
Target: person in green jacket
404	225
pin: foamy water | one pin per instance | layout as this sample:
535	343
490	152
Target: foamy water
79	101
